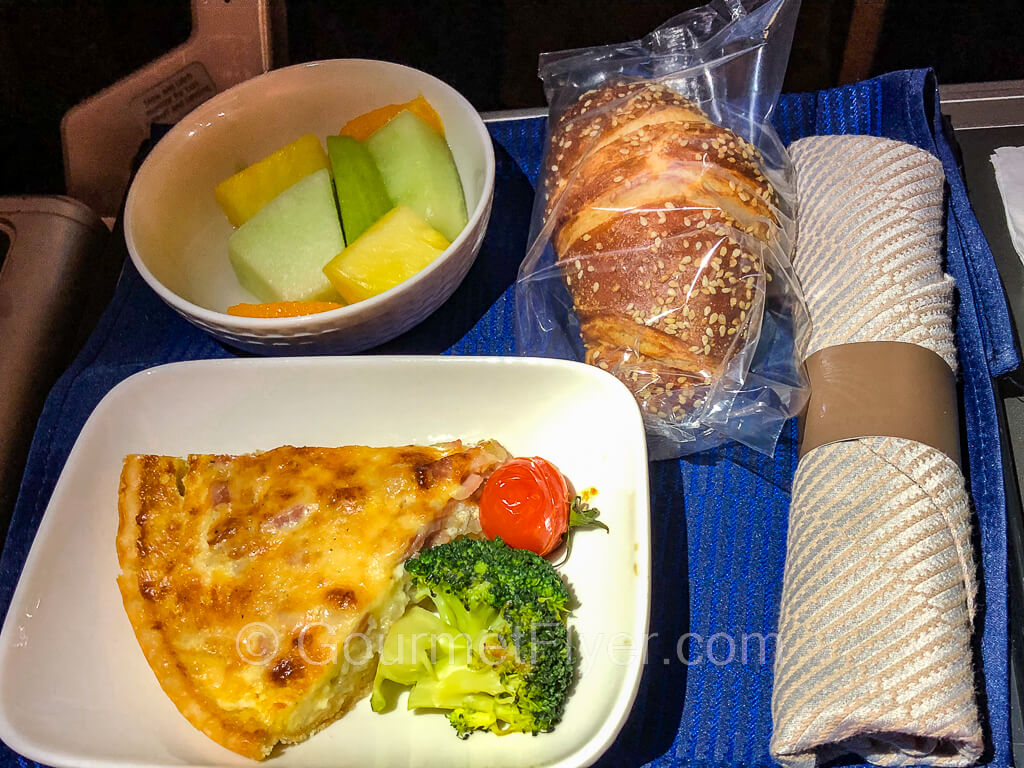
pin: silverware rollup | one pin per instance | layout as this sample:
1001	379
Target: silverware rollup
874	653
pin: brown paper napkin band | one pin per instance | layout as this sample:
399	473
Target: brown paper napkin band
880	389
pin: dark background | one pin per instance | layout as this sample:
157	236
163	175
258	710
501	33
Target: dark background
55	54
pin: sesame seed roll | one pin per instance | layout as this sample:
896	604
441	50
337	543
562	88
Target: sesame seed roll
659	221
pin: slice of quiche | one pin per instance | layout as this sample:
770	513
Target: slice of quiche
261	586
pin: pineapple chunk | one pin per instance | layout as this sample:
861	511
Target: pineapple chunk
394	249
245	193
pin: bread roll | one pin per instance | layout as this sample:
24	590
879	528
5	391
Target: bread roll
659	219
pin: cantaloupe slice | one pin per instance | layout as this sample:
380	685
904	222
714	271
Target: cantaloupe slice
362	127
282	309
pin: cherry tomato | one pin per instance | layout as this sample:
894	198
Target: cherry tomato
526	503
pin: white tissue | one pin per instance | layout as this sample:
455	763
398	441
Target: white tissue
1009	165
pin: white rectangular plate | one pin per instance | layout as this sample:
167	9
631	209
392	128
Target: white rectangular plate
75	688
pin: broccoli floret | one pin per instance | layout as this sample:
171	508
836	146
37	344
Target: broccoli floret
497	656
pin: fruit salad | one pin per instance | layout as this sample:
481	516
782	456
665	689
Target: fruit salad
317	229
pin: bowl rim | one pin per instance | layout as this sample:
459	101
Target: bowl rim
239	323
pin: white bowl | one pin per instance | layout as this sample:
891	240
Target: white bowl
177	236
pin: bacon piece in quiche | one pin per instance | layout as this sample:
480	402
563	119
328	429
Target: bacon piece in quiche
259	586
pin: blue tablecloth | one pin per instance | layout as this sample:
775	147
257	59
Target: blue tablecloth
718	518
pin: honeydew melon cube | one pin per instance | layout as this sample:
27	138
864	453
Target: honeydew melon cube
362	196
394	249
279	254
419	171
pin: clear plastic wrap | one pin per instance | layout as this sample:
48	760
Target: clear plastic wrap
663	225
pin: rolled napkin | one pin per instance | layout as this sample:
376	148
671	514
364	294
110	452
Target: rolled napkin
874	641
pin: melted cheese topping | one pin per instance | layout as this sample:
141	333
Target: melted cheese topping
258	585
